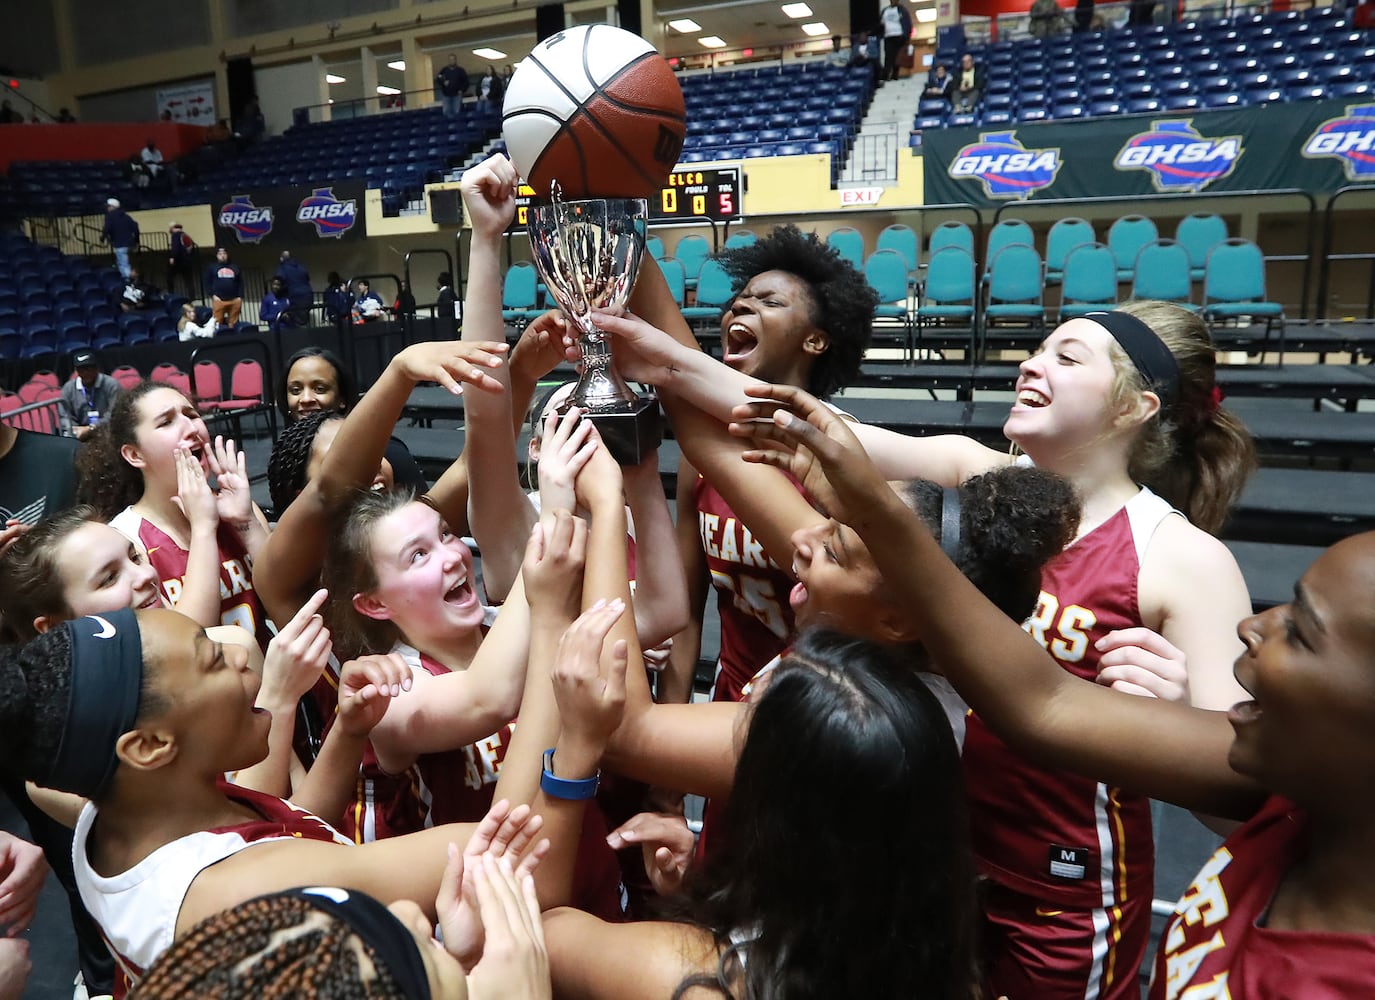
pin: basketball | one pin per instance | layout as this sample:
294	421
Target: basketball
597	109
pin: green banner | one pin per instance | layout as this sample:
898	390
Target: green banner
1314	146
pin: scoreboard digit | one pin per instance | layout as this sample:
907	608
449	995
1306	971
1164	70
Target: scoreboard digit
713	193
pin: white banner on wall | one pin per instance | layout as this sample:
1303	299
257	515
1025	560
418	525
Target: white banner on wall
193	104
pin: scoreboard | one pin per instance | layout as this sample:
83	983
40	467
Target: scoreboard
712	193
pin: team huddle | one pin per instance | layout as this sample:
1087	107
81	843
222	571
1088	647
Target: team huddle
324	757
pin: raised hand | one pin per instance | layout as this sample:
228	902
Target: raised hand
22	872
590	688
489	195
366	687
543	346
451	362
565	447
14	530
796	432
194	497
667	845
554	560
600	480
514	963
1143	662
296	656
642	352
234	499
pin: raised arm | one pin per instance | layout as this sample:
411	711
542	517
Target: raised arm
676	679
661	598
288	567
1035	706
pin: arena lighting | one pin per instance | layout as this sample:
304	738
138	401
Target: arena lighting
815	29
746	53
487	52
797	10
712	42
685	26
397	64
335	78
926	15
388	91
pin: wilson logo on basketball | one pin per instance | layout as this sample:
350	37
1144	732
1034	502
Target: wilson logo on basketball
1178	158
668	146
1350	138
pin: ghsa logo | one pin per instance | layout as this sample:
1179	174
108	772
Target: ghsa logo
1178	158
1350	139
1005	167
249	222
331	217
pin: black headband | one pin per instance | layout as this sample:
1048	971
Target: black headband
950	522
106	681
390	940
1146	351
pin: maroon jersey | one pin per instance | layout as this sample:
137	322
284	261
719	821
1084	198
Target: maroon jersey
1216	946
751	593
239	603
1060	837
456	786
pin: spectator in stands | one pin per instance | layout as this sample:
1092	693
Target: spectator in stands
1046	19
166	116
298	289
8	116
1083	15
453	84
895	24
969	85
153	162
1141	13
276	308
180	261
218	133
506	73
87	398
137	296
252	124
367	304
338	299
65	117
121	232
939	84
188	328
224	282
446	311
37	478
489	91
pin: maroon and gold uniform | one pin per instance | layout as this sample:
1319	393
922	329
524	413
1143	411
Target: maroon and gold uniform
239	603
1217	947
751	593
1072	860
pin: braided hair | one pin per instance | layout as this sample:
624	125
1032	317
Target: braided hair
270	948
286	469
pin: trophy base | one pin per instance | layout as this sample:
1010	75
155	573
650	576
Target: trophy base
630	430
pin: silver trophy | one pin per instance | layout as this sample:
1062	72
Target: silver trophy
588	253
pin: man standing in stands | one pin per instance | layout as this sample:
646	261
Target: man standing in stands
121	232
453	84
896	25
181	248
298	289
86	400
224	282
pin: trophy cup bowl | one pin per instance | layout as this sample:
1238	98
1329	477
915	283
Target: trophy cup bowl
588	253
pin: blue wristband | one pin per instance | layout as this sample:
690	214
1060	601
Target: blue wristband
572	789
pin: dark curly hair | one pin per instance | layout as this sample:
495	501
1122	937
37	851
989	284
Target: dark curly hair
104	479
842	300
1012	520
849	774
270	948
286	468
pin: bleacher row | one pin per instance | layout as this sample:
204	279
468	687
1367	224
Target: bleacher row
1218	63
810	107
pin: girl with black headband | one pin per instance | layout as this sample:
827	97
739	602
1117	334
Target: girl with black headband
1286	908
143	714
1120	403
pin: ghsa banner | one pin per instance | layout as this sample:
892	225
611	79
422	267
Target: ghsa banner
290	216
1314	146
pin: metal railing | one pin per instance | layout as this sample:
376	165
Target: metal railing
875	155
1324	296
41	417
